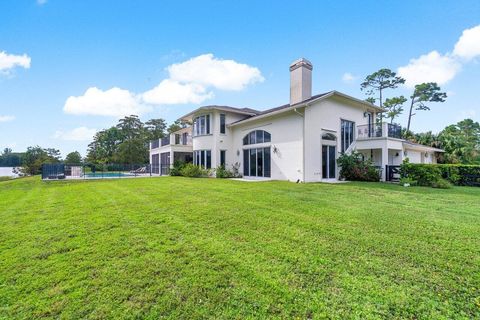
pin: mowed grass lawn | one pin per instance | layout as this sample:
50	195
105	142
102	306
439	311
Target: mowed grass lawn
208	248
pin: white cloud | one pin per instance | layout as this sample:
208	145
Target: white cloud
431	67
172	92
348	77
469	113
10	61
113	102
191	81
6	118
468	46
209	71
41	2
77	134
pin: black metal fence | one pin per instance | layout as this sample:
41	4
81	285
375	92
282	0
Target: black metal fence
59	171
392	173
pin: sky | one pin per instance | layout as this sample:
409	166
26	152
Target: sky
71	68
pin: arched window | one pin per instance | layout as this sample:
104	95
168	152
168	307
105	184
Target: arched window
256	136
329	136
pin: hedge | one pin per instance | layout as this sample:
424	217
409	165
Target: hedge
429	174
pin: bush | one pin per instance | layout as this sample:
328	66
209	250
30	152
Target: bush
408	181
441	184
354	168
430	174
221	172
193	171
177	168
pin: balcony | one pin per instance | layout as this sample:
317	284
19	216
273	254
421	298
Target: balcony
184	139
385	130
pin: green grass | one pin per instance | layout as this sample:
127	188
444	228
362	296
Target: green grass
210	248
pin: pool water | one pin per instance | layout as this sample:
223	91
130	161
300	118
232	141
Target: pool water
107	174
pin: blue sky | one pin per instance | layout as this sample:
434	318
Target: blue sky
53	50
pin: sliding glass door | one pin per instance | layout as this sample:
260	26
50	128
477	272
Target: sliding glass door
256	162
329	167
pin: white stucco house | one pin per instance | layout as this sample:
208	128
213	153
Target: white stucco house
299	141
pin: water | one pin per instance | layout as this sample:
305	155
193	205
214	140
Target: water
7	172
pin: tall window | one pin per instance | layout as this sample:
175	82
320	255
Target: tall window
185	138
222	123
347	134
201	125
257	136
223	157
202	158
256	162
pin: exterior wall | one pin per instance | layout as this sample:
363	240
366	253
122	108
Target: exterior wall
326	116
417	156
286	144
217	141
414	156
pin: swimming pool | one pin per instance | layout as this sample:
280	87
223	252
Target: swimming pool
108	175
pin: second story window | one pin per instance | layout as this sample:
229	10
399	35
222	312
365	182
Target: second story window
222	123
184	138
347	134
201	125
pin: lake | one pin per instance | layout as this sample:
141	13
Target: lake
7	172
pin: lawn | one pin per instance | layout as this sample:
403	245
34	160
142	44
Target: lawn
198	248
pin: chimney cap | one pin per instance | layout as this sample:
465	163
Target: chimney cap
302	62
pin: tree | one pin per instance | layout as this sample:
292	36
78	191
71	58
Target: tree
155	128
177	125
133	151
6	151
131	127
379	81
8	158
36	156
423	93
104	146
53	155
461	142
394	107
73	158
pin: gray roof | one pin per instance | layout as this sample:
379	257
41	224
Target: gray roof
421	146
252	113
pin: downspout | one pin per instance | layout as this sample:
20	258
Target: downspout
303	140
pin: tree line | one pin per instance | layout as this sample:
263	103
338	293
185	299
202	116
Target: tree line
128	141
461	141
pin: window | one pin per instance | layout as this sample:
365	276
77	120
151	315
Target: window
329	137
202	158
222	157
256	162
222	123
256	136
184	138
347	134
201	125
177	138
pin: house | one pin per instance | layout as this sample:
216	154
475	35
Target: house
299	141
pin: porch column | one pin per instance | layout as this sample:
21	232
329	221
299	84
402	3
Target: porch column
384	163
172	159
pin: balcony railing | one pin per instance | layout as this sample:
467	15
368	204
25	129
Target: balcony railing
173	139
368	131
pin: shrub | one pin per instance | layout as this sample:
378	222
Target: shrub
193	171
408	181
441	184
429	174
221	172
177	168
354	168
